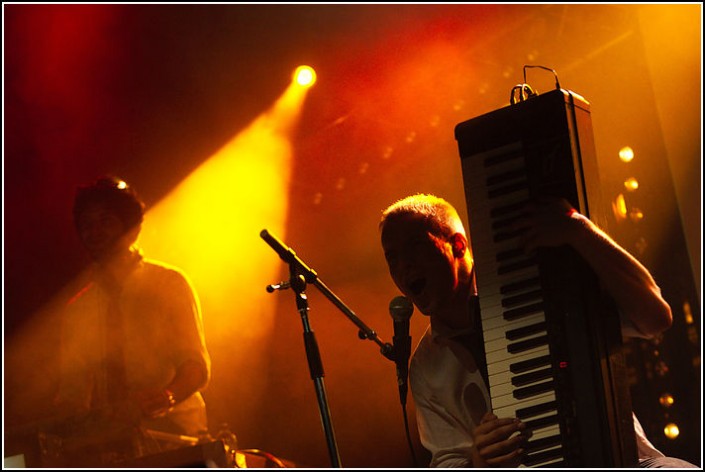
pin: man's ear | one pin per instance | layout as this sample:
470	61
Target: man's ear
459	244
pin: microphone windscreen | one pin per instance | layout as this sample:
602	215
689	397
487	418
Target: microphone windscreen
401	308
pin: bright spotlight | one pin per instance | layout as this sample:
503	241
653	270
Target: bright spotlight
631	184
619	207
626	154
666	400
305	76
671	431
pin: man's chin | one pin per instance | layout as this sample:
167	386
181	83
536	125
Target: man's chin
423	306
425	312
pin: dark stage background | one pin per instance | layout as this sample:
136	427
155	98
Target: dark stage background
150	92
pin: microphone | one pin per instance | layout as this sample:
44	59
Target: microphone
401	310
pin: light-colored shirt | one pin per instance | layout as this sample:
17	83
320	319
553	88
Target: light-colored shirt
450	396
162	327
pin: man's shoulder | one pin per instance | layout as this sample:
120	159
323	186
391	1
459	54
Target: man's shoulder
162	270
159	266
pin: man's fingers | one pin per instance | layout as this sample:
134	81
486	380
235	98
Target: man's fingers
502	451
496	431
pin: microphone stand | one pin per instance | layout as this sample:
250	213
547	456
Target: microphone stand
300	274
315	366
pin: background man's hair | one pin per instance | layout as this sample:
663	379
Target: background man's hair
115	195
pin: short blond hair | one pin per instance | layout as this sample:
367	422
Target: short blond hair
441	217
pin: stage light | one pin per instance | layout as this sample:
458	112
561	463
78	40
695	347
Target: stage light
209	226
641	245
671	431
636	215
666	400
305	76
626	154
661	368
619	208
631	184
688	313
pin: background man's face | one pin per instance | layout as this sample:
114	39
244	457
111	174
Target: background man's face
101	231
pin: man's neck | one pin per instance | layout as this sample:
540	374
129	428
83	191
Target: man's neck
118	266
456	314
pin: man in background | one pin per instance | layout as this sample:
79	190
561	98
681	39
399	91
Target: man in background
133	354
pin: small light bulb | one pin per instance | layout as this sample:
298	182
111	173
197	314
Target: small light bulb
671	431
631	184
666	400
626	154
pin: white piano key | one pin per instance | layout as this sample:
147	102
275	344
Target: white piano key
510	410
506	376
496	367
505	399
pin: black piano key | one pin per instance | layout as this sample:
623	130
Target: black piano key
522	298
505	177
516	313
523	366
531	377
541	422
535	410
507	189
509	254
536	445
504	222
524	331
533	390
522	346
520	285
516	266
539	457
508	209
500	158
499	237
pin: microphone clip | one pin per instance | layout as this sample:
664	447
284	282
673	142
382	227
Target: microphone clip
280	286
388	351
296	283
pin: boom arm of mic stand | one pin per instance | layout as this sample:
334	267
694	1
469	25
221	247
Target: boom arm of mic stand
311	277
366	332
